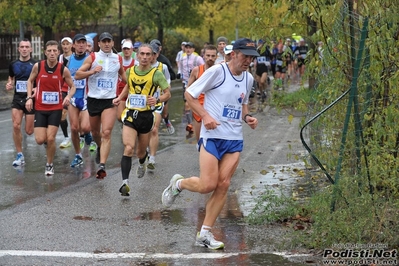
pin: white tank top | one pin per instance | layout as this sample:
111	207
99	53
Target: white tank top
103	85
224	96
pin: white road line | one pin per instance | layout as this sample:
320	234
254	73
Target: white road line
88	255
7	120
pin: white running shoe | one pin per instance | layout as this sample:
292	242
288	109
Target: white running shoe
171	192
66	143
49	170
19	160
208	241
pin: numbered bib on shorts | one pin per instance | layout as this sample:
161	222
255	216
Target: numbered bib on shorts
50	97
303	56
231	113
261	59
279	62
105	84
137	101
21	86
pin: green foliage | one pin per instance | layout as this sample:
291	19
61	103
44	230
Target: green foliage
272	207
299	99
52	15
361	154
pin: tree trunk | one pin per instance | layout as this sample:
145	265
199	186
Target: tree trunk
48	34
160	34
211	38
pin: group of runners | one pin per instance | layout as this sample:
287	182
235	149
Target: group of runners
216	87
284	59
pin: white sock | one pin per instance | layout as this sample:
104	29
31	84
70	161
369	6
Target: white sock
178	184
205	229
125	181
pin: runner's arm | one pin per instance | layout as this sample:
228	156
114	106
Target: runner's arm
84	71
29	87
193	76
71	85
10	83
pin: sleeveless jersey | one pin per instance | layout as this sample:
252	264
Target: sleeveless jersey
224	96
20	71
49	86
103	85
302	50
74	64
64	60
140	87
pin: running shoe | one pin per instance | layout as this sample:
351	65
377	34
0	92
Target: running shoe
189	128
19	160
66	143
171	192
82	142
124	190
208	241
98	155
101	172
49	170
93	146
88	138
170	128
77	161
141	170
151	163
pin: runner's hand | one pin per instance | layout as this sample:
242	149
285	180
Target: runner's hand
209	122
252	121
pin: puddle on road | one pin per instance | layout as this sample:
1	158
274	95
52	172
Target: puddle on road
290	179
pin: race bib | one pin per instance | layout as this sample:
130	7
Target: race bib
105	84
137	101
79	84
21	86
303	56
231	113
50	97
261	59
279	62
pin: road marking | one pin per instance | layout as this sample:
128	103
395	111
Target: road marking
88	255
7	120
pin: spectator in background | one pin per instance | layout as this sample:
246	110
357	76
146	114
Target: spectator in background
179	57
221	42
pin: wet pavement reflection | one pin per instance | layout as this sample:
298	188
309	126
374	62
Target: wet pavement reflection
18	184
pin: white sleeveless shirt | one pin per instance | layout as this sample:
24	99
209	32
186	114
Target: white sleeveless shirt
224	96
103	85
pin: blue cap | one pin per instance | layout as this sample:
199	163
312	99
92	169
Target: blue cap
136	45
246	46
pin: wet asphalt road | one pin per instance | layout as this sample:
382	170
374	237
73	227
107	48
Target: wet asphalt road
74	219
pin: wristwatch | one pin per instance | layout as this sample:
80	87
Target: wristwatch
28	98
158	100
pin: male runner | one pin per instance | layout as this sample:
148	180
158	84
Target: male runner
138	117
49	76
227	88
154	138
19	72
102	69
77	111
210	53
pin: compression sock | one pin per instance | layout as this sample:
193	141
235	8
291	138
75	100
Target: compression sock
142	160
166	119
64	127
126	166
